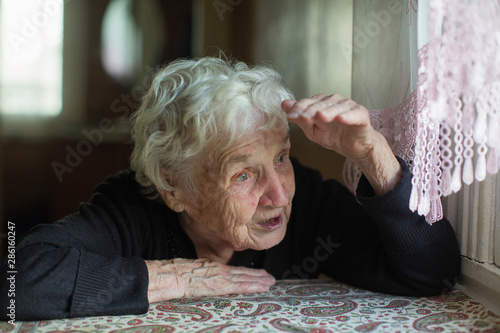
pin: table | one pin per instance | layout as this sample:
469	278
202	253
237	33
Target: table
291	306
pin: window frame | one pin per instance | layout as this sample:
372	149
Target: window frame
74	83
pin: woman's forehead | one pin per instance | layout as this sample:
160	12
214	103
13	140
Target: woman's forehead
242	151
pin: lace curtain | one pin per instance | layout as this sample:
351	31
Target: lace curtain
429	71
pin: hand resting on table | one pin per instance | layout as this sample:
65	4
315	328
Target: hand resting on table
176	278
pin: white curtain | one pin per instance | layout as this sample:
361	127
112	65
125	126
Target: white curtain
384	72
430	73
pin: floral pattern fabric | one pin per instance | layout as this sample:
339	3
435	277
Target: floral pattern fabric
291	306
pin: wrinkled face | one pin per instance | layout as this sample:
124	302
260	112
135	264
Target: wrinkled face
245	197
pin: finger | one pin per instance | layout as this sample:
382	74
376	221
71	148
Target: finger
287	104
247	288
213	281
333	103
330	100
298	107
330	113
249	271
312	110
235	274
335	98
240	273
267	280
354	117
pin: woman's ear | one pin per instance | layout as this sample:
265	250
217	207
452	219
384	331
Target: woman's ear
173	199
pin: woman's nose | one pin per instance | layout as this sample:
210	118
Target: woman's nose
275	194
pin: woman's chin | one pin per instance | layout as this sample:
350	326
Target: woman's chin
269	239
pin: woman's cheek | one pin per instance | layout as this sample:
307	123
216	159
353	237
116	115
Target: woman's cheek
228	210
241	208
210	196
290	182
248	200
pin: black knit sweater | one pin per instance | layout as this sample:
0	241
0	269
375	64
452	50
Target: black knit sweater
92	262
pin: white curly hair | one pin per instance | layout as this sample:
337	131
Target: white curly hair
196	107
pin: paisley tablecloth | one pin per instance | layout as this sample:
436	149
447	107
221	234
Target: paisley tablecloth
291	306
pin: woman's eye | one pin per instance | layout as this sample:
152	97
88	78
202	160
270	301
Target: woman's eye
281	159
242	177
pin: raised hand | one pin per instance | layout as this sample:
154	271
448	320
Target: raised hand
333	122
176	278
342	125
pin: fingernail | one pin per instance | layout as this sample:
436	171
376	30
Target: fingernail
292	115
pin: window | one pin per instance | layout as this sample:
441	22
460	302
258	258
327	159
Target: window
31	57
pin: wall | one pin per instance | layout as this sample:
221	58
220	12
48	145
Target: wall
475	214
221	26
304	39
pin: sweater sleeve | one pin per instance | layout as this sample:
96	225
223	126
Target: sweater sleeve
424	258
378	243
89	263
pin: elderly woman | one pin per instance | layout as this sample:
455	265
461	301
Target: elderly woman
214	205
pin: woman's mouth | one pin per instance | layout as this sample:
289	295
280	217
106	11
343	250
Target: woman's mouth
271	224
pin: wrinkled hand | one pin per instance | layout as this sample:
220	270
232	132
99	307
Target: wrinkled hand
342	125
333	122
176	278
